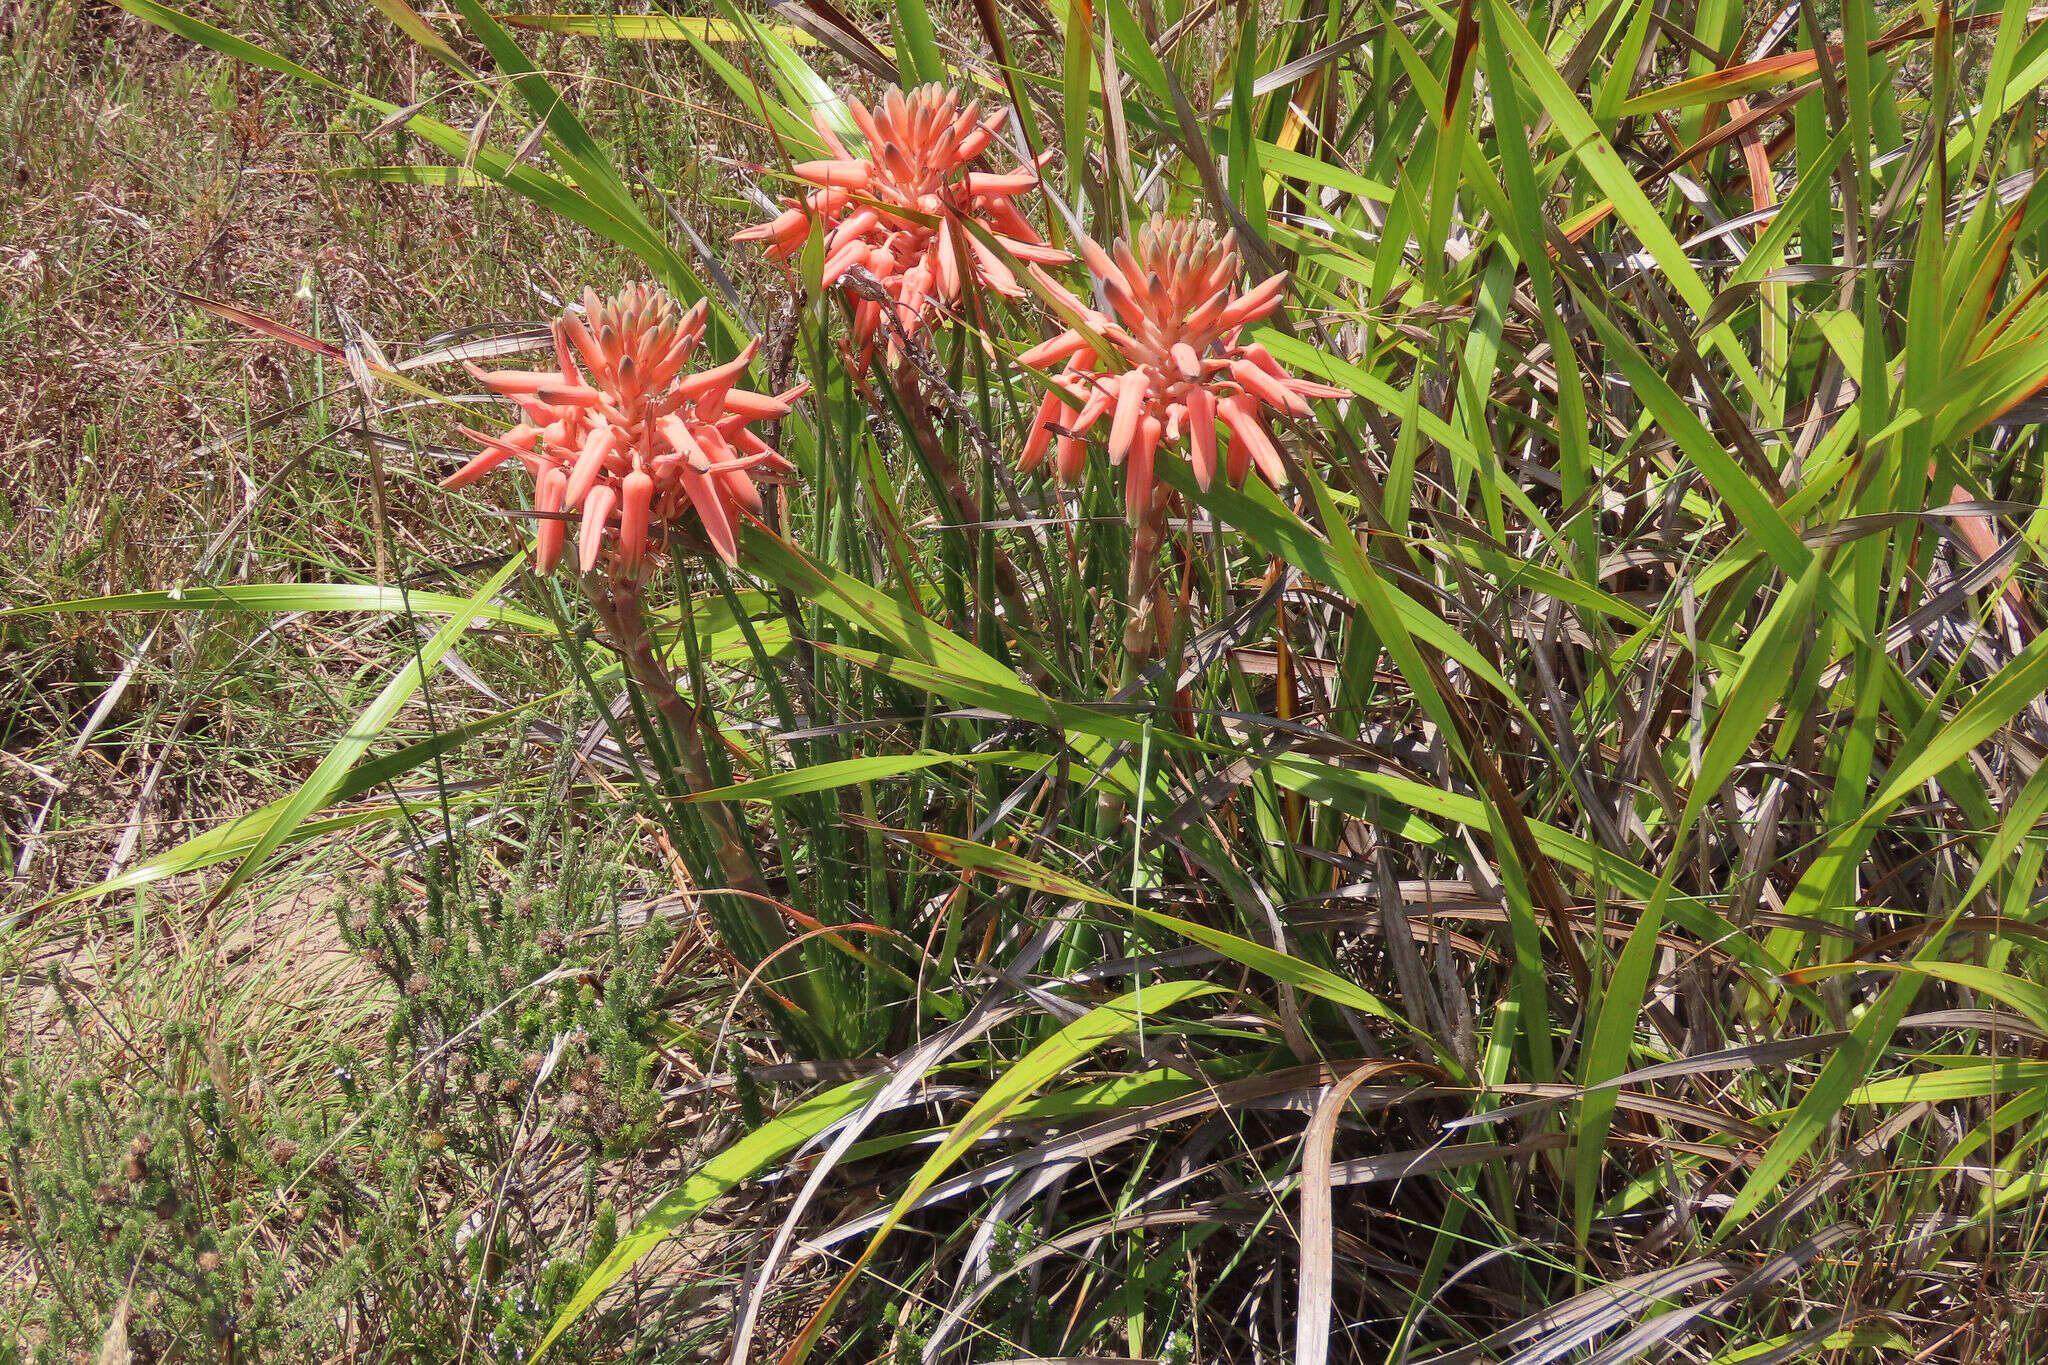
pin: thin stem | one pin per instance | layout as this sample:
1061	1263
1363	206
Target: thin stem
617	601
965	503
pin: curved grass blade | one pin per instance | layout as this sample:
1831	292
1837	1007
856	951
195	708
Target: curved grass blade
847	772
239	836
286	597
668	28
742	1161
1016	1084
329	777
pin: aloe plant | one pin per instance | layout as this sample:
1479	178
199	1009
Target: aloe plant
1594	774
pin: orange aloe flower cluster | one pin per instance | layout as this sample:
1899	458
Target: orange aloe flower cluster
1177	324
902	210
636	442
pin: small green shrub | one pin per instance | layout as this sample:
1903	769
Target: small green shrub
450	1188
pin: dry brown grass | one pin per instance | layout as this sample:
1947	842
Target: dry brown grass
148	447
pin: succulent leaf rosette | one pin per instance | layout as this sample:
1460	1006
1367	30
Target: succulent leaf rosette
902	209
1177	325
630	438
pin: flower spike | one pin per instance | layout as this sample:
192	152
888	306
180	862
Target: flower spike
629	442
903	210
1176	328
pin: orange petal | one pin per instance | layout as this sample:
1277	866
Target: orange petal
701	489
1201	409
704	495
865	121
740	490
1024	249
1256	302
1048	353
974	144
984	182
597	447
856	224
697	385
565	360
995	271
1308	388
497	449
1099	262
828	136
845	175
570	395
1101	399
754	407
1051	409
477	467
1249	440
510	382
597	510
579	335
1131	269
1127	306
1138	483
1062	294
547	535
1070	458
636	495
867	320
1267	389
849	255
788	223
948	261
1132	391
1202	318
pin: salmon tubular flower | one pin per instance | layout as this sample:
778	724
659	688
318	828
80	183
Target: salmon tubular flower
1176	328
905	210
624	436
